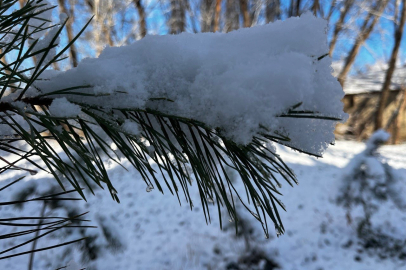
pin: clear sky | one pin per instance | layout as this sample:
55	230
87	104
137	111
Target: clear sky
377	47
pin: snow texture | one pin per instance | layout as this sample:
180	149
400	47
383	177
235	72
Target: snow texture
72	265
161	234
237	81
130	127
61	107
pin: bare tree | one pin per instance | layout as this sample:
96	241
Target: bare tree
331	9
272	10
338	26
103	23
192	16
216	26
315	7
206	13
298	2
245	13
177	21
142	19
232	16
398	34
256	8
399	118
294	8
291	8
368	25
69	30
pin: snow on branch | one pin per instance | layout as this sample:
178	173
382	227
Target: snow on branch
196	104
237	82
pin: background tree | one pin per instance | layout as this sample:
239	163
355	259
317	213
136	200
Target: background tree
398	25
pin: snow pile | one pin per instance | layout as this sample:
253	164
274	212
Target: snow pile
160	234
237	81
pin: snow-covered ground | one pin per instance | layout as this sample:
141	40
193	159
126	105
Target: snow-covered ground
156	233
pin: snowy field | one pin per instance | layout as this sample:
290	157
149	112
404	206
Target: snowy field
154	232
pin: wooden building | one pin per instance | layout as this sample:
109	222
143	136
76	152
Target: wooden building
361	101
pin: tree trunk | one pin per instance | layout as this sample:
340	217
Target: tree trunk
69	30
298	7
391	68
256	9
315	7
141	15
192	16
400	119
207	12
245	13
291	9
364	33
216	26
177	22
396	118
232	16
331	9
272	10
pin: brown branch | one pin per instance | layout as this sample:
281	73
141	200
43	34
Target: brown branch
366	29
298	7
315	7
272	10
245	14
232	17
216	26
141	15
331	10
69	31
177	21
18	167
340	23
33	101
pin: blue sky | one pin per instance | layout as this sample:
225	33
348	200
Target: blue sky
377	47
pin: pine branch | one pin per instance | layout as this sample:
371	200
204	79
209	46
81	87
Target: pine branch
182	149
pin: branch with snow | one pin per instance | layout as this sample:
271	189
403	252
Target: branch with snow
193	104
